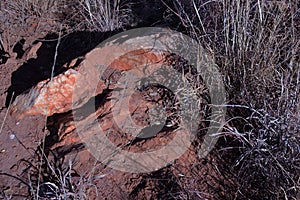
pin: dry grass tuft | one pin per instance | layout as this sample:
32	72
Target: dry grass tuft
256	46
104	15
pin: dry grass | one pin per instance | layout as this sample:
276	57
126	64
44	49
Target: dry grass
17	17
256	46
58	179
104	15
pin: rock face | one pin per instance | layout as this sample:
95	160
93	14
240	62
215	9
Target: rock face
103	105
47	97
114	97
56	96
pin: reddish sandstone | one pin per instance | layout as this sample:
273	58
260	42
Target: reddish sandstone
57	95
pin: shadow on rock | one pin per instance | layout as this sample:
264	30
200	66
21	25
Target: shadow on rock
34	70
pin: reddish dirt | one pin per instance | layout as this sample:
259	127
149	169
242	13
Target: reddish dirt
21	140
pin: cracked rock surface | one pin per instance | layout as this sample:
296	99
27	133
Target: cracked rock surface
91	94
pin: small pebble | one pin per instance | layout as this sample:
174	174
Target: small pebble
101	176
12	136
17	123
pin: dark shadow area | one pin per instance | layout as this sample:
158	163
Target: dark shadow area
149	13
4	56
71	46
156	13
18	48
56	121
76	44
62	151
166	185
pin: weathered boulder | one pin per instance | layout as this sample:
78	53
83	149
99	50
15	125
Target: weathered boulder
47	97
115	94
56	96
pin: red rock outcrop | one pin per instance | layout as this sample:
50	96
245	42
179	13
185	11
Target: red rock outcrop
120	117
56	96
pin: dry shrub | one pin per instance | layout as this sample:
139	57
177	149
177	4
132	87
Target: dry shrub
256	46
20	18
104	15
26	19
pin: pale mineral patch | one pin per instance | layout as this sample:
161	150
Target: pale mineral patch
47	97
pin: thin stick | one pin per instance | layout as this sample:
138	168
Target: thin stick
2	125
44	134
